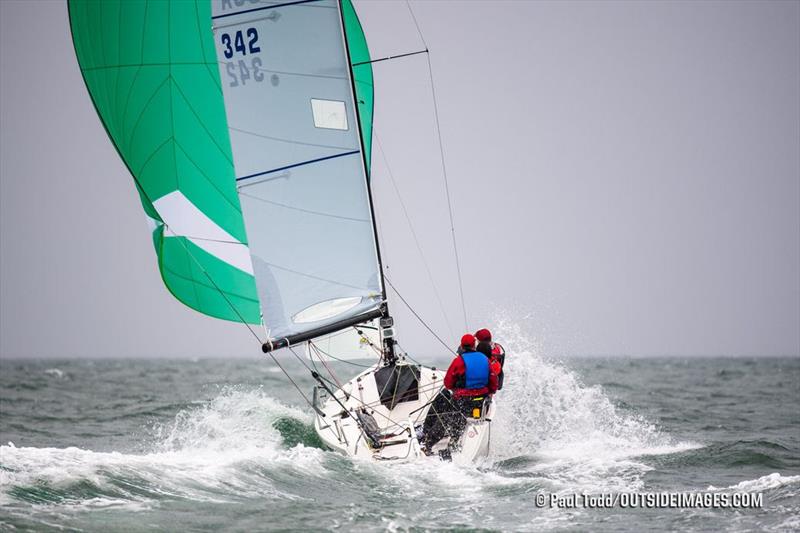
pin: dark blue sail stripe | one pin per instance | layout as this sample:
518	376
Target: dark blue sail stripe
263	8
334	156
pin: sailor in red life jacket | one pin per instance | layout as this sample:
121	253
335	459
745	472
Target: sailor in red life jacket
470	373
470	379
494	351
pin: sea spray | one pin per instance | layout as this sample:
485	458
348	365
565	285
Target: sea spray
574	432
237	418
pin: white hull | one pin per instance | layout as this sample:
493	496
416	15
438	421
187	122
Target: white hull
340	430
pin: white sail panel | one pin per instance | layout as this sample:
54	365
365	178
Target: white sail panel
298	162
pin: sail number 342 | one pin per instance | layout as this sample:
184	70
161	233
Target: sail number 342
242	42
237	43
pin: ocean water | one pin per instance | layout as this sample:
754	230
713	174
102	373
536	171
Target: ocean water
139	445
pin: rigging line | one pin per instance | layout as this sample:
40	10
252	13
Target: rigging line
422	389
300	359
387	58
366	339
408	5
357	400
206	239
346	395
449	398
221	292
296	386
326	354
308	351
331	372
235	310
418	317
411	227
444	168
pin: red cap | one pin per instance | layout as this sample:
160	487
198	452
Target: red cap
484	335
468	340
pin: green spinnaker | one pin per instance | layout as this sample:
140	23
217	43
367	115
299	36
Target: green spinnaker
150	68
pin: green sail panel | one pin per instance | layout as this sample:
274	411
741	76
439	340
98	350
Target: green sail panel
151	70
299	162
362	75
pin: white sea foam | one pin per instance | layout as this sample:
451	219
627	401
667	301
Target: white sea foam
208	453
772	481
55	372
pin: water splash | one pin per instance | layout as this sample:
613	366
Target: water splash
212	452
573	432
237	419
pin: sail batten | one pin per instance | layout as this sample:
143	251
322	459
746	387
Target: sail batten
300	164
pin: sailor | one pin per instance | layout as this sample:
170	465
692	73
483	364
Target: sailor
468	381
466	347
494	365
469	374
494	351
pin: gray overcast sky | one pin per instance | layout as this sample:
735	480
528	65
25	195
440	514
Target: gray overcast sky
625	179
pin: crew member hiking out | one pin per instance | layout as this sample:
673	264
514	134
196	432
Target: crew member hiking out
494	351
468	381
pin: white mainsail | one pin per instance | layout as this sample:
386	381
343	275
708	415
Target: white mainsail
299	164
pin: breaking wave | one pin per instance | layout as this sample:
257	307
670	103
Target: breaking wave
220	451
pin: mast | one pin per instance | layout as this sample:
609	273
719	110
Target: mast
386	320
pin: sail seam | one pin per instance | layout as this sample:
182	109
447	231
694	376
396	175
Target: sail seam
290	141
148	64
200	121
202	173
320	213
143	111
154	154
316	277
207	286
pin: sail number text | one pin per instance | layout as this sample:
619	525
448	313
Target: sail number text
237	43
241	43
239	72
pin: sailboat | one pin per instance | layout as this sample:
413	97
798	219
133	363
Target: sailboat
247	128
